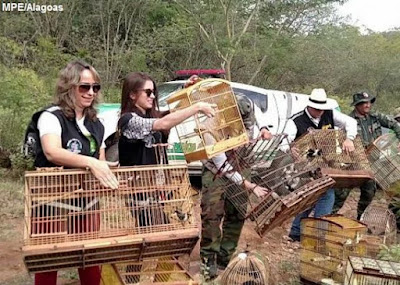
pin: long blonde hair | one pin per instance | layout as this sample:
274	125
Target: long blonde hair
65	90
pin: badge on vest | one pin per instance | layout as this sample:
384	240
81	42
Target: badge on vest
74	145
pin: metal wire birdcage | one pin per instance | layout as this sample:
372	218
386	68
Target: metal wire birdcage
226	127
384	158
367	271
325	149
71	220
246	268
294	185
326	243
382	227
166	270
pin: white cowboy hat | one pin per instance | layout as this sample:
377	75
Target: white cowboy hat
318	100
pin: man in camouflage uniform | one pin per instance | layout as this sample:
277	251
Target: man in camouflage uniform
369	128
218	243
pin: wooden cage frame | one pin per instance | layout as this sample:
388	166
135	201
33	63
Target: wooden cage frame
149	215
202	137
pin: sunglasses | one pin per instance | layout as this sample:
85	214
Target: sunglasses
148	92
86	87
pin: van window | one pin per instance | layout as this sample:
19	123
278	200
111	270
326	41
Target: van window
261	100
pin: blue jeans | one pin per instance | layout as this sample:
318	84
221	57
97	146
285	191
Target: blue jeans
323	207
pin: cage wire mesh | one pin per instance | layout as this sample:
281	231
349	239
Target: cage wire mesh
323	148
71	209
226	127
292	185
382	227
384	158
368	271
247	267
167	270
326	244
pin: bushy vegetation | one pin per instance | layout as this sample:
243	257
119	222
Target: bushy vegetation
286	45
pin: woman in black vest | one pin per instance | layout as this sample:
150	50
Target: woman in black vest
72	136
142	124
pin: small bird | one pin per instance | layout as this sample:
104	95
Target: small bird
180	216
311	153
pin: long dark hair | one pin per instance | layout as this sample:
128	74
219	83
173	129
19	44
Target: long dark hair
65	91
133	82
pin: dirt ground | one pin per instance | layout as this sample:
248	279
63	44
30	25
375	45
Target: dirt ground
283	255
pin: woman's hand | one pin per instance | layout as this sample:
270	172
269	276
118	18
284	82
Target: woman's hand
101	170
206	108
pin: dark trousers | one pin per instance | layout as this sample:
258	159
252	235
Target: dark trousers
367	190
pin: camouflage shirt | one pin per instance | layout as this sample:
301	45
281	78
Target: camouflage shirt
370	127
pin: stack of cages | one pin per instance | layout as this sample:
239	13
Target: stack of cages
368	271
324	150
202	137
291	184
71	220
382	228
326	244
384	158
167	270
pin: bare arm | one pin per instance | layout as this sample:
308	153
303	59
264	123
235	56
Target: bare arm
179	116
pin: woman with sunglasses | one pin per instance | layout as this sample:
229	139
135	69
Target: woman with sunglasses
72	136
142	124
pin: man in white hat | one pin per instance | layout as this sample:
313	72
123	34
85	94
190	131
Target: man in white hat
319	114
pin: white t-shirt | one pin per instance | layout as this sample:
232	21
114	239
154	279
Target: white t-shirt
48	123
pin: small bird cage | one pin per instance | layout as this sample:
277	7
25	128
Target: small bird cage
246	268
71	220
225	129
293	185
166	270
361	270
384	158
326	243
323	148
382	227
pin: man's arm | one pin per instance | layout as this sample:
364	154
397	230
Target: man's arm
389	123
346	122
262	122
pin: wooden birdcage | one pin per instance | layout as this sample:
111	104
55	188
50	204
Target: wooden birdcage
382	227
294	186
365	271
246	268
323	148
384	158
326	243
71	220
226	127
166	270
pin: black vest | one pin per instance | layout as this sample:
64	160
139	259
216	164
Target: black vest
134	151
304	123
72	137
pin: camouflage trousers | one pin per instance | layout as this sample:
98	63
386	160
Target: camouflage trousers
218	240
367	190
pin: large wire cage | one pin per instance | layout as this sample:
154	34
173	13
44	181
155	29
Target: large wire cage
368	271
382	227
202	137
167	270
293	185
71	220
384	158
326	244
324	150
247	267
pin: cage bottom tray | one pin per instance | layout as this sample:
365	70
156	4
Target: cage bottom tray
42	258
348	178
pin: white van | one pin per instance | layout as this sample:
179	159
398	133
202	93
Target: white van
277	106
